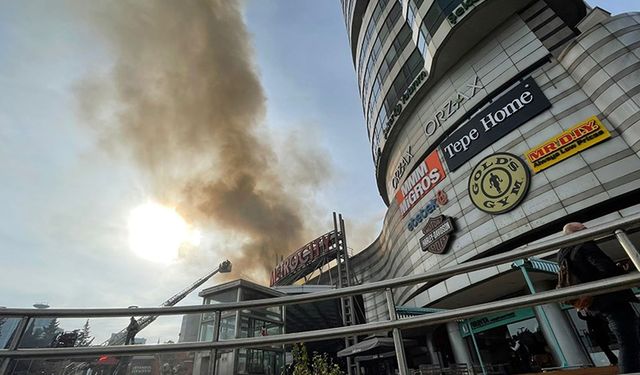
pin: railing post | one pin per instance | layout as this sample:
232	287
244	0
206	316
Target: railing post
545	319
397	335
216	336
629	248
475	346
18	334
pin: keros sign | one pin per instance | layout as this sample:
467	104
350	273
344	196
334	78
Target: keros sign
305	256
421	181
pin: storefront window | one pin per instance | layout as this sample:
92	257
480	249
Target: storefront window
509	342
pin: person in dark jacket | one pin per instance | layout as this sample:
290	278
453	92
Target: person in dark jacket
132	329
587	262
599	333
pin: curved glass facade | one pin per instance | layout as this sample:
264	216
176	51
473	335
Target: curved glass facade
377	57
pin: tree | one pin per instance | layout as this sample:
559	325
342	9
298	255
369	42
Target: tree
2	321
49	332
320	364
84	336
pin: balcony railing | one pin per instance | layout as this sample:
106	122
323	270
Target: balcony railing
617	229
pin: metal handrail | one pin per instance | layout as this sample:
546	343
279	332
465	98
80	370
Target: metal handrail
605	230
592	288
616	228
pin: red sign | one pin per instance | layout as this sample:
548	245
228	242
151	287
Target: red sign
303	257
421	181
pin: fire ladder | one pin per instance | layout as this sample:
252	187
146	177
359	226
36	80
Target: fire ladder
344	280
144	321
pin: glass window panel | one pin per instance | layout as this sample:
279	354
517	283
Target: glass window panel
227	328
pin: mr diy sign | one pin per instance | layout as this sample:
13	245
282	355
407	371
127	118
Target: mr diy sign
514	108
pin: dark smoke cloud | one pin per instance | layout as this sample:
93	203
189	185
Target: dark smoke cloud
184	100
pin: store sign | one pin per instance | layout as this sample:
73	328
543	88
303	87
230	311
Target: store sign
487	322
404	99
440	200
421	181
498	183
402	166
588	133
305	257
462	10
451	106
516	107
436	234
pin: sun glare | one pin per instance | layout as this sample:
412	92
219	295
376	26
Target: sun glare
156	232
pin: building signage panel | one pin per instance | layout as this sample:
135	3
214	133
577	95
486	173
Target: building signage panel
404	99
440	200
421	181
436	234
451	106
305	257
517	106
568	143
485	323
498	183
401	168
462	10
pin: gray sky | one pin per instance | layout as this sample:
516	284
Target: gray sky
63	235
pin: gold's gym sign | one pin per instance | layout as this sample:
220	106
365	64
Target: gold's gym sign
498	183
568	143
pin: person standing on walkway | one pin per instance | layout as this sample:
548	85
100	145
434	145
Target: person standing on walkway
599	333
587	262
132	330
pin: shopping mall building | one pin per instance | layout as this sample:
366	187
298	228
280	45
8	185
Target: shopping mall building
493	123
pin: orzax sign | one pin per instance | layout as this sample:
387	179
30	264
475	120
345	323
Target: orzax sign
421	181
451	106
402	166
517	106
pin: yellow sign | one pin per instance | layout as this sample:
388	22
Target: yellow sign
568	143
498	183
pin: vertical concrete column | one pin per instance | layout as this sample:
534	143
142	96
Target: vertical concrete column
458	345
432	350
558	332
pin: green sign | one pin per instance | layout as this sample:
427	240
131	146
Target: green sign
487	322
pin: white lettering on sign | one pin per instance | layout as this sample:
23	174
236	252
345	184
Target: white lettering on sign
493	119
321	246
404	162
430	238
421	181
488	122
450	107
406	96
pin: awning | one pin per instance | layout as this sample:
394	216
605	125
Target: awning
539	265
409	312
372	346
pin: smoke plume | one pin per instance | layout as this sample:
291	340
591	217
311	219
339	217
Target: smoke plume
185	102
